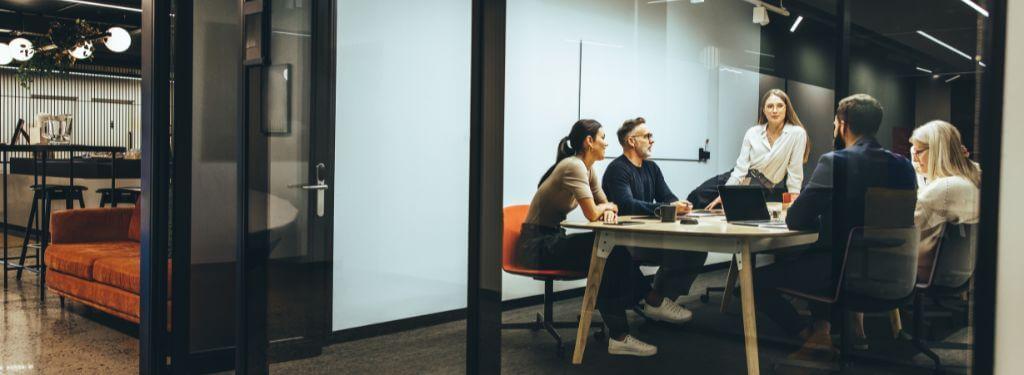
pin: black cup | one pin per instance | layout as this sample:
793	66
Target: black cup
667	213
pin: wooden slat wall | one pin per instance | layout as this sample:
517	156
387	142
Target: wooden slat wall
105	104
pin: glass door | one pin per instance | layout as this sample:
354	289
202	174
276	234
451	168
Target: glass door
283	295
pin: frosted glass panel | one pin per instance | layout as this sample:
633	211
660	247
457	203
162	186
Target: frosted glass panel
401	156
612	60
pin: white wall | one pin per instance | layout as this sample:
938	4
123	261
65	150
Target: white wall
1009	325
401	159
661	61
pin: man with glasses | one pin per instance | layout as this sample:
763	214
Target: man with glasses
638	187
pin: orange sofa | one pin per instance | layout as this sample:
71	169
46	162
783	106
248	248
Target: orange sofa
93	258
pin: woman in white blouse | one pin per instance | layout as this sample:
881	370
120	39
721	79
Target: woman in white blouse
950	189
773	151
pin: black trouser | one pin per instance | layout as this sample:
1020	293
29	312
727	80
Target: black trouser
622	285
677	270
810	272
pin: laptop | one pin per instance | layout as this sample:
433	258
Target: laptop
744	205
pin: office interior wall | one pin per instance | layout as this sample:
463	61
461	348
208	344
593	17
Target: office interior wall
401	159
1009	325
931	101
662	61
216	67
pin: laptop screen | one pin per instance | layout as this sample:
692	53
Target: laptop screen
743	203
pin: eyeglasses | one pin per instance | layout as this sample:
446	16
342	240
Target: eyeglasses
916	152
649	136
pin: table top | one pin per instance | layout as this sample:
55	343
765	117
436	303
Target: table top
708	226
68	147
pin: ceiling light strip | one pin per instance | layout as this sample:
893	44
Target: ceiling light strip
976	7
796	23
944	44
103	5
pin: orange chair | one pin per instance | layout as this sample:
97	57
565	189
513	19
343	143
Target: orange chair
513	219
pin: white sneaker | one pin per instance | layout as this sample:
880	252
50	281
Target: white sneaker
667	312
686	299
631	346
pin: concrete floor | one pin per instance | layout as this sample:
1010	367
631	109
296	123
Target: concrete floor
42	338
45	339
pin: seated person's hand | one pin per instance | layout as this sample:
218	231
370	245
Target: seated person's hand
610	207
715	203
683	207
610	217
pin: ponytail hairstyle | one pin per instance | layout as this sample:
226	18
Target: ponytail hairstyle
572	144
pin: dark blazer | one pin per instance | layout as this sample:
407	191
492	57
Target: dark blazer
833	201
637	191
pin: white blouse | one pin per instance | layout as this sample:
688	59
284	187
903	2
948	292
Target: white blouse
786	156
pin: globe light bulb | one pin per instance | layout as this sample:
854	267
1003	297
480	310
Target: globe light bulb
119	39
21	49
5	54
82	51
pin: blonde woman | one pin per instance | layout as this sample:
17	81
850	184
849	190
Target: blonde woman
950	189
774	151
948	193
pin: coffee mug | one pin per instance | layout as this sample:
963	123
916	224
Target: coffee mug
667	213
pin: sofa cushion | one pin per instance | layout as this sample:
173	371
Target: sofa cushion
135	225
123	273
112	300
120	272
78	259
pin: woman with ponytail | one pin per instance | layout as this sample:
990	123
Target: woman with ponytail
569	183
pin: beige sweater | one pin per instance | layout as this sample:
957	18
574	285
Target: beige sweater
570	181
944	200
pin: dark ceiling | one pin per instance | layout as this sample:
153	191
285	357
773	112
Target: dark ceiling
33	17
897	22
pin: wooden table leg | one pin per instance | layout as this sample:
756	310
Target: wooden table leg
749	315
730	285
589	300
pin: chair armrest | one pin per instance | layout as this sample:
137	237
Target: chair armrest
90	225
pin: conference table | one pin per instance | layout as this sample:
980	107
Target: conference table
711	234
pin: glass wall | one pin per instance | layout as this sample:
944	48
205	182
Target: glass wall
925	63
869	248
215	78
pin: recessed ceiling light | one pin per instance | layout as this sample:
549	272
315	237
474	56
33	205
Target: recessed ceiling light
954	78
923	69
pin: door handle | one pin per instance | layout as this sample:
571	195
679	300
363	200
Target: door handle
320	186
310	187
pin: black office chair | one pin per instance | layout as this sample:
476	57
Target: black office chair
878	269
950	277
878	274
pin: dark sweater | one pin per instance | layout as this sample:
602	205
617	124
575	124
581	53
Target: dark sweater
637	191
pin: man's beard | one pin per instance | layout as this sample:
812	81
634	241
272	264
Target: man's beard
645	154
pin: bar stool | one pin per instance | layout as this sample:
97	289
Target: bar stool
128	194
45	194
